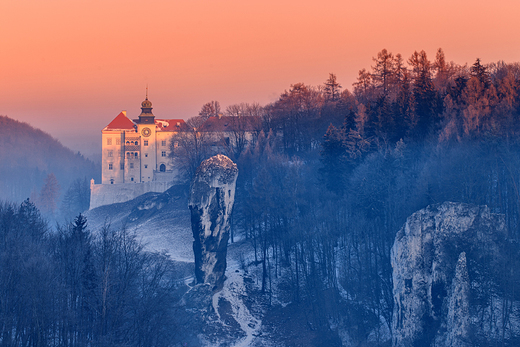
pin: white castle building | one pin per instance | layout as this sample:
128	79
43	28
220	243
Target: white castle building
135	151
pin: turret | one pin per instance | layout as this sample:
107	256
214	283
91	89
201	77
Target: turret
146	116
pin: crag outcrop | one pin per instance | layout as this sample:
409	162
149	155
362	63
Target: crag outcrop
431	280
211	202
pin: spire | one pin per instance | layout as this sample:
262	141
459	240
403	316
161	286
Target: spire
146	105
146	115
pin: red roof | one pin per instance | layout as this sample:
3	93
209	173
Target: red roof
170	124
121	122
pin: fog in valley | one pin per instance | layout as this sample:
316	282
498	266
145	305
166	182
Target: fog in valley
387	214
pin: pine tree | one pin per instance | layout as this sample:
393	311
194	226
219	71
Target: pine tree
481	73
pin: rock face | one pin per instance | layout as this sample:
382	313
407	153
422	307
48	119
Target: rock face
431	285
211	202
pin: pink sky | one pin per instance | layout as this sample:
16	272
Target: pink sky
69	67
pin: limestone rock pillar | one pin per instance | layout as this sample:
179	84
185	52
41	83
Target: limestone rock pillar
211	203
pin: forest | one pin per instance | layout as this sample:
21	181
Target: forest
331	176
327	176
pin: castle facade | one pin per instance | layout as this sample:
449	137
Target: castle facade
136	154
138	151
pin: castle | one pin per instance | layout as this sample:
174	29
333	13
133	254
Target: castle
135	151
136	154
138	151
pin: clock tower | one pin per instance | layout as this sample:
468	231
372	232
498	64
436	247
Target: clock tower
146	129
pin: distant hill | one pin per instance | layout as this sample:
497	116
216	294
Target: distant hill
28	155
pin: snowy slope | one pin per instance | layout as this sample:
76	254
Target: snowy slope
161	222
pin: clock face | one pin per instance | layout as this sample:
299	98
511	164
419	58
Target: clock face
146	132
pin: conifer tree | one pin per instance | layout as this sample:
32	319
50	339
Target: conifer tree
481	73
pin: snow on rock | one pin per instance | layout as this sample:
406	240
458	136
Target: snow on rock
234	291
211	202
430	275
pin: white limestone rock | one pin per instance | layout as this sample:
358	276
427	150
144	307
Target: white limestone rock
211	203
458	320
430	296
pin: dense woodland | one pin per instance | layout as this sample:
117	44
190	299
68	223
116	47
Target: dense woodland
333	174
324	185
69	288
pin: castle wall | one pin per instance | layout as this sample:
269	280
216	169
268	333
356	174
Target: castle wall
105	194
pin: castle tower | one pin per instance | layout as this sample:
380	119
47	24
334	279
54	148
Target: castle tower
146	128
146	116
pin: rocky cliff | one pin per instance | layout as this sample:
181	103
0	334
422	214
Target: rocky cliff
211	202
443	259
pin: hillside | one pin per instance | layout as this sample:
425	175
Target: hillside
28	155
237	316
161	221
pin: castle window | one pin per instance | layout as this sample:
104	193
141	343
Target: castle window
110	154
110	166
163	154
122	166
111	181
162	168
146	142
135	155
109	141
118	141
128	155
131	165
136	143
163	142
146	155
131	179
146	166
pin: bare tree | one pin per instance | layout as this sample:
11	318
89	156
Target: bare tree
190	147
244	126
332	88
210	109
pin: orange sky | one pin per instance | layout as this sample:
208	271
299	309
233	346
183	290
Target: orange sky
69	67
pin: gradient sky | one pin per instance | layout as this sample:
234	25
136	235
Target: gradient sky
69	67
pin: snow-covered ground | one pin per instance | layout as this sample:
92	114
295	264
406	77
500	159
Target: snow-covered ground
234	292
162	223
